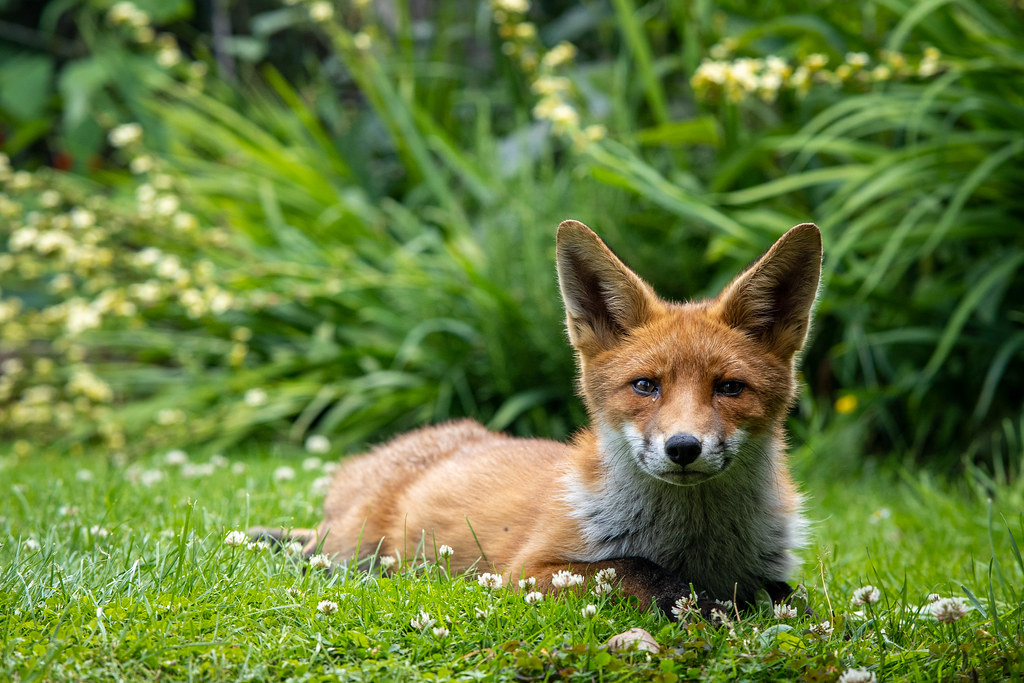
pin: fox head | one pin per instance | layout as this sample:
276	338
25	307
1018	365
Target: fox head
684	392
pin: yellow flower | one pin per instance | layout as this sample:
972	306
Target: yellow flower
846	404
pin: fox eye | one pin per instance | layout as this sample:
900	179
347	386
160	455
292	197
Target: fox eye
645	386
730	387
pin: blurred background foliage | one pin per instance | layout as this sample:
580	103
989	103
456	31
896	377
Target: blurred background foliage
226	220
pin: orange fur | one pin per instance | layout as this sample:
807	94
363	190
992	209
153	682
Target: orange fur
685	484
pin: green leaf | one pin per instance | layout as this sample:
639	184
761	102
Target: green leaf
703	130
26	85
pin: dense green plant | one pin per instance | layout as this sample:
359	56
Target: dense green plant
390	214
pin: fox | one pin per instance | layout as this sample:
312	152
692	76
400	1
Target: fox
679	488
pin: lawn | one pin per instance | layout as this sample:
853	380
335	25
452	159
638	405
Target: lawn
121	571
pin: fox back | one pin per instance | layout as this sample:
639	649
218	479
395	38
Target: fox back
681	478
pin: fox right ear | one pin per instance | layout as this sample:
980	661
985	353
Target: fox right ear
603	298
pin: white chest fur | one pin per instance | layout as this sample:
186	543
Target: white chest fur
726	536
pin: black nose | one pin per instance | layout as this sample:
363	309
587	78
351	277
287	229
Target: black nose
682	449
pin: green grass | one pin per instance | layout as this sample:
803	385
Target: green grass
162	596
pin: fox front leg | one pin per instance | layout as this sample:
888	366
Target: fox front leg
647	581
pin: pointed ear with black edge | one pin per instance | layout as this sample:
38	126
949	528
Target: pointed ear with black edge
603	298
772	299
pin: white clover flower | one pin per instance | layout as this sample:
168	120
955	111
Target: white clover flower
948	610
321	485
311	463
490	581
67	510
176	457
318	443
783	611
293	548
84	475
822	630
294	592
482	613
218	460
194	470
255	397
857	676
933	597
125	134
422	621
257	546
31	545
283	473
444	552
589	611
528	582
235	538
683	606
387	561
238	468
320	561
440	632
865	595
150	477
533	597
321	11
327	607
565	579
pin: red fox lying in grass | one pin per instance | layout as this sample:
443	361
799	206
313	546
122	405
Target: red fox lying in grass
680	481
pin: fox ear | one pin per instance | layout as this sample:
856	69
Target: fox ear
603	298
772	299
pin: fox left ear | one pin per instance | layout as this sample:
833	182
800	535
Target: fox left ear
772	299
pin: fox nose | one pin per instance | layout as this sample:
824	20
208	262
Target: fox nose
682	449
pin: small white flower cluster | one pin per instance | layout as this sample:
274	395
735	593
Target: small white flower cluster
604	581
784	611
283	473
822	630
422	621
444	552
589	611
684	606
321	11
320	561
127	14
317	443
490	581
857	676
520	43
125	134
865	595
235	538
948	610
566	579
327	607
738	79
533	597
528	582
